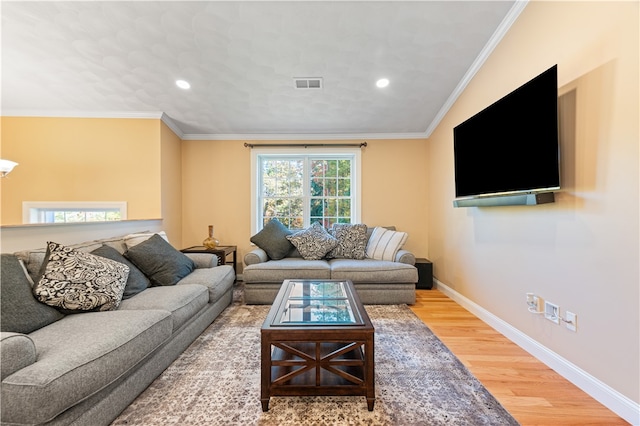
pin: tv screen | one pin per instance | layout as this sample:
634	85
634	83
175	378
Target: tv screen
512	145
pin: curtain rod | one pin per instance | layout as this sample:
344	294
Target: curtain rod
306	145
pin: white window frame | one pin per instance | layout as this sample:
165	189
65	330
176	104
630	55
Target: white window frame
33	211
256	153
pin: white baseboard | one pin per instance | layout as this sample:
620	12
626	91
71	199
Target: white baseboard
601	392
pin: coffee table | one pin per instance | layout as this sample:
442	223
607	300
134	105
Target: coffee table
317	340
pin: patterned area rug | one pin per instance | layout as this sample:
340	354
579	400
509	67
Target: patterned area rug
216	381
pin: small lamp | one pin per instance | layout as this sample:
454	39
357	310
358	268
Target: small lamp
6	166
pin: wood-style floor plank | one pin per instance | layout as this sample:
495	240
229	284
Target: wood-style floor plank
532	392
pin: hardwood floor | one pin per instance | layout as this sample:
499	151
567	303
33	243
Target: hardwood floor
532	392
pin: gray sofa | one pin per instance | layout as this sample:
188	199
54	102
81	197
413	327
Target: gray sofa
376	281
85	368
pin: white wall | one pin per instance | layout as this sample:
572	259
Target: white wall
582	251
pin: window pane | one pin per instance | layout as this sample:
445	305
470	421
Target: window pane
344	168
330	189
317	208
332	168
344	187
317	168
317	187
344	208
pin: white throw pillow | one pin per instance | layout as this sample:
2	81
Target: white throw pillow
135	239
384	244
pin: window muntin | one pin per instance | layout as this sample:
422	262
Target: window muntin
300	188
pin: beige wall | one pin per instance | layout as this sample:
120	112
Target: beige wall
81	159
217	190
580	253
171	184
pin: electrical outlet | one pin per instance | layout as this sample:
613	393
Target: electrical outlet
552	312
534	302
571	321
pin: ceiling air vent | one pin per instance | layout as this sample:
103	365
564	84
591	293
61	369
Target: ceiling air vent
303	83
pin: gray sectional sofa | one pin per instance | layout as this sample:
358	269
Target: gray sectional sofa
376	281
85	368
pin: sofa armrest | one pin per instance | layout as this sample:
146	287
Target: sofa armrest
16	351
256	255
405	256
203	260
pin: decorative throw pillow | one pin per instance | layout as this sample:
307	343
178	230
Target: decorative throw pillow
74	280
352	240
314	242
136	282
160	261
135	239
272	238
384	243
20	311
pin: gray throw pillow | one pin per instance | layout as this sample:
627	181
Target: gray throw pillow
20	312
160	261
273	239
314	242
136	282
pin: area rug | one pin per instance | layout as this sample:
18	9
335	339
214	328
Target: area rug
216	381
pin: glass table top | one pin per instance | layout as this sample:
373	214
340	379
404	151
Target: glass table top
316	302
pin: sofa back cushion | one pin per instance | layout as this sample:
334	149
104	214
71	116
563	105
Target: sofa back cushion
20	311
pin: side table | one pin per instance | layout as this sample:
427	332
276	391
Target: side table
425	273
221	251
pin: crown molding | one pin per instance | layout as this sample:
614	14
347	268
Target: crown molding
486	51
302	136
83	114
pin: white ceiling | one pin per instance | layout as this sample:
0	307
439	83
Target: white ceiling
121	58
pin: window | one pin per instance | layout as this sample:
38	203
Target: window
305	186
72	212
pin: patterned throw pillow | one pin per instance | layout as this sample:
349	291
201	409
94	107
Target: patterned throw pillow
384	243
314	242
73	280
352	241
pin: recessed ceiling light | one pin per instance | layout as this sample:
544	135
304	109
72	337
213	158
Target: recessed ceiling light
183	84
383	82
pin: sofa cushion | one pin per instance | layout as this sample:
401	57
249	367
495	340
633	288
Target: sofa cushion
136	282
20	312
373	271
276	271
272	239
384	243
160	261
77	281
314	242
69	370
218	280
352	241
182	301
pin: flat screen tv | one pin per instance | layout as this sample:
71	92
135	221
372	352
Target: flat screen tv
511	147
